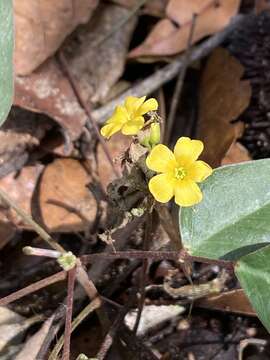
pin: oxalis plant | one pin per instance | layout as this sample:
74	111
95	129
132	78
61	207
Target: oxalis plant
224	214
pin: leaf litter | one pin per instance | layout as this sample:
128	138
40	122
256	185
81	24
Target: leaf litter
54	168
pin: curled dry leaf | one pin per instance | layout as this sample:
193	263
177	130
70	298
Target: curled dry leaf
170	35
65	202
237	153
95	59
117	146
234	301
223	97
41	26
13	184
48	91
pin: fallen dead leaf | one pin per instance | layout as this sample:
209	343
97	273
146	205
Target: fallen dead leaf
153	7
223	97
41	26
170	35
20	134
48	91
117	146
234	301
65	202
13	184
94	76
262	5
237	153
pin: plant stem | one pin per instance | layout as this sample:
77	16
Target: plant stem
69	307
29	220
60	276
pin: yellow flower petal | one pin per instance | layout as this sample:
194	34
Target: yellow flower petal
161	187
120	116
161	159
187	151
199	171
187	193
134	126
108	130
149	105
132	103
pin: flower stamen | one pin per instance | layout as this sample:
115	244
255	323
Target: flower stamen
179	173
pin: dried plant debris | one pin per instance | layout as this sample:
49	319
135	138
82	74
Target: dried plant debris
48	91
42	25
21	133
65	202
223	97
96	53
170	35
251	45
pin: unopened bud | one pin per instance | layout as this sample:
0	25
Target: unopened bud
154	134
67	261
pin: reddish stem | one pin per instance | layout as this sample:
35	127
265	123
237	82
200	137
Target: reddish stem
69	308
61	275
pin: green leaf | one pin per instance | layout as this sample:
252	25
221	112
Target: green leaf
234	217
6	58
253	272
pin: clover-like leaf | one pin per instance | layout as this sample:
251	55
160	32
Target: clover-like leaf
233	218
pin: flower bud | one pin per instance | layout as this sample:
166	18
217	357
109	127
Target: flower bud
154	138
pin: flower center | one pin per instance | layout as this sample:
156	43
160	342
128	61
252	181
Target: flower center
180	173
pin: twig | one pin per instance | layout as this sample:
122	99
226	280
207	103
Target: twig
147	236
33	287
69	307
179	83
95	304
120	23
83	104
28	220
168	72
154	255
107	342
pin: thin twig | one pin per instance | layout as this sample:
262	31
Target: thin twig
168	72
84	105
95	304
120	23
154	255
69	308
28	220
179	83
60	276
108	340
147	236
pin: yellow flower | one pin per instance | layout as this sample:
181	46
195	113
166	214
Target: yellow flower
129	117
180	171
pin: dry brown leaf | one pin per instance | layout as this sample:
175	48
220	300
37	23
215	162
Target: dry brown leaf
223	97
262	5
97	68
13	184
237	153
168	39
117	146
234	301
48	91
153	7
21	134
65	202
20	187
41	26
